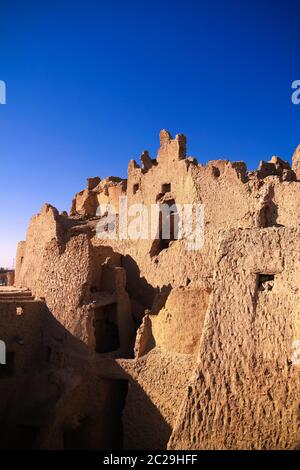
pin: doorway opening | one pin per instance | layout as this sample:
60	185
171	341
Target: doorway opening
106	329
7	370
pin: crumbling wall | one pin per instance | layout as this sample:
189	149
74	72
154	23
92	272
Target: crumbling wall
178	326
296	162
227	364
244	391
104	192
22	330
286	203
165	349
43	228
65	270
7	277
157	383
51	394
229	200
87	414
231	196
64	281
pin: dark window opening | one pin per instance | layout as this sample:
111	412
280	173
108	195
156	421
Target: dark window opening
166	188
8	369
268	215
167	230
106	329
135	188
266	282
216	172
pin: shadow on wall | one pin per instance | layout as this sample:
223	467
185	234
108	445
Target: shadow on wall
125	418
269	212
138	288
102	428
59	397
72	399
144	426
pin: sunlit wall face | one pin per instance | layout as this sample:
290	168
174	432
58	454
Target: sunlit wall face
89	87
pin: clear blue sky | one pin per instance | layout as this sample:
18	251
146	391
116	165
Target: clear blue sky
91	83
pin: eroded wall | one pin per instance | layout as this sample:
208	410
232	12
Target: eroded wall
213	346
245	388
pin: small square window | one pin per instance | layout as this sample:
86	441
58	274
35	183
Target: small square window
166	188
266	282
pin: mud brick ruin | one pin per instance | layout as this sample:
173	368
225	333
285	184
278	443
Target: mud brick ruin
7	277
141	344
